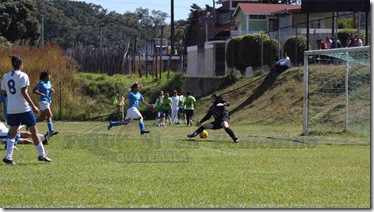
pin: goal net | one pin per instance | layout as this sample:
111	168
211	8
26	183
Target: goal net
337	91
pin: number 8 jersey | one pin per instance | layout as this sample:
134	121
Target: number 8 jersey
12	83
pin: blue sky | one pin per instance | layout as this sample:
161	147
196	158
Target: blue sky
181	7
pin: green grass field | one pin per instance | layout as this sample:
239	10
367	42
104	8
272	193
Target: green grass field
272	167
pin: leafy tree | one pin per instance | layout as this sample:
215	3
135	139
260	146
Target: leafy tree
4	44
18	21
192	23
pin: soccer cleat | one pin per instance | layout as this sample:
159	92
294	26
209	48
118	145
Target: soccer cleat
144	131
8	161
110	125
44	158
236	140
52	133
192	135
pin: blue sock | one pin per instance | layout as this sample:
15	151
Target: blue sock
141	125
115	123
17	138
50	126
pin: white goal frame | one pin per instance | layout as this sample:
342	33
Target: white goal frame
306	81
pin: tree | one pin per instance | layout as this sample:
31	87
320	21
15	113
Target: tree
192	23
18	21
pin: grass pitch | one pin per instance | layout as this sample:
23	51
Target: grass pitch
272	167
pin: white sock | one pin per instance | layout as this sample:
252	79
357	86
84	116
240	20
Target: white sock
9	148
40	149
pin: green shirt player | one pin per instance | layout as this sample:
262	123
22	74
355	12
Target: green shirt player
182	100
189	107
166	108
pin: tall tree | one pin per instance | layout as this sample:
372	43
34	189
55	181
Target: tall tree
192	23
18	21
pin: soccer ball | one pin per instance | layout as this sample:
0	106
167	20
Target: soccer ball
204	134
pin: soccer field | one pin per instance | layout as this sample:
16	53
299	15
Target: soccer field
272	167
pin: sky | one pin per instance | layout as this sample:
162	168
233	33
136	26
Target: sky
181	7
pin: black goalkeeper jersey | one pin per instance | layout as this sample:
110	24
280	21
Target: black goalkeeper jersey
219	111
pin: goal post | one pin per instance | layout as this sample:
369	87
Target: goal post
336	83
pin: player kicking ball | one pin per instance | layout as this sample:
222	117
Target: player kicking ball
134	97
221	118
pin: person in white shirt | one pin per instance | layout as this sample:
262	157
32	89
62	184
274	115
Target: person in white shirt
20	109
282	64
21	138
174	107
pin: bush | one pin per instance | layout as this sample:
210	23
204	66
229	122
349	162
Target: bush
295	48
232	54
271	49
344	35
4	44
250	49
345	23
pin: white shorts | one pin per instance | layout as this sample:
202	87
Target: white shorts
44	105
133	113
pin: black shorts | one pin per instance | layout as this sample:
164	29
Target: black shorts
217	124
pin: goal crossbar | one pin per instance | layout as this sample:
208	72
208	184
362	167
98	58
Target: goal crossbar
337	53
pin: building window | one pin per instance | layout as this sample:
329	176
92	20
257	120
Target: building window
273	24
317	23
257	16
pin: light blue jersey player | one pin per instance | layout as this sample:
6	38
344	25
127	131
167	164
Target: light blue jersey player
44	89
134	97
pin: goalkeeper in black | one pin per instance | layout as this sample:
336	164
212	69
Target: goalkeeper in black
221	118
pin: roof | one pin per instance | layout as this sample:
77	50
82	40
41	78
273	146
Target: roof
263	9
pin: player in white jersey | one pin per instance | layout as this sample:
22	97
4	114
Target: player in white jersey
21	138
174	107
20	109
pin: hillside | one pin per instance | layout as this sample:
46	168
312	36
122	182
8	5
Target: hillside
278	100
264	99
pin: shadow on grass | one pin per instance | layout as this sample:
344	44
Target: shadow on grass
259	91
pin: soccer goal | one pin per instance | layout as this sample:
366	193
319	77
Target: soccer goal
337	91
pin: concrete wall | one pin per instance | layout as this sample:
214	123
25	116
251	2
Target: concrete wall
209	62
201	86
192	61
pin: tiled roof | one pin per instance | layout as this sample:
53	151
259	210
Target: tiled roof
258	8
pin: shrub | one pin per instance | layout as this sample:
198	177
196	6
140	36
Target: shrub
4	44
250	49
271	49
295	47
346	33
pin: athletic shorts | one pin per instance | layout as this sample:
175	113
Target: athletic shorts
217	124
165	112
133	113
181	110
27	118
44	105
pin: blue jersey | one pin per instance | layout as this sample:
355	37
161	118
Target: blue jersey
45	87
134	99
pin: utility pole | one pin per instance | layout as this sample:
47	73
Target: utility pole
172	35
207	16
42	32
162	35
